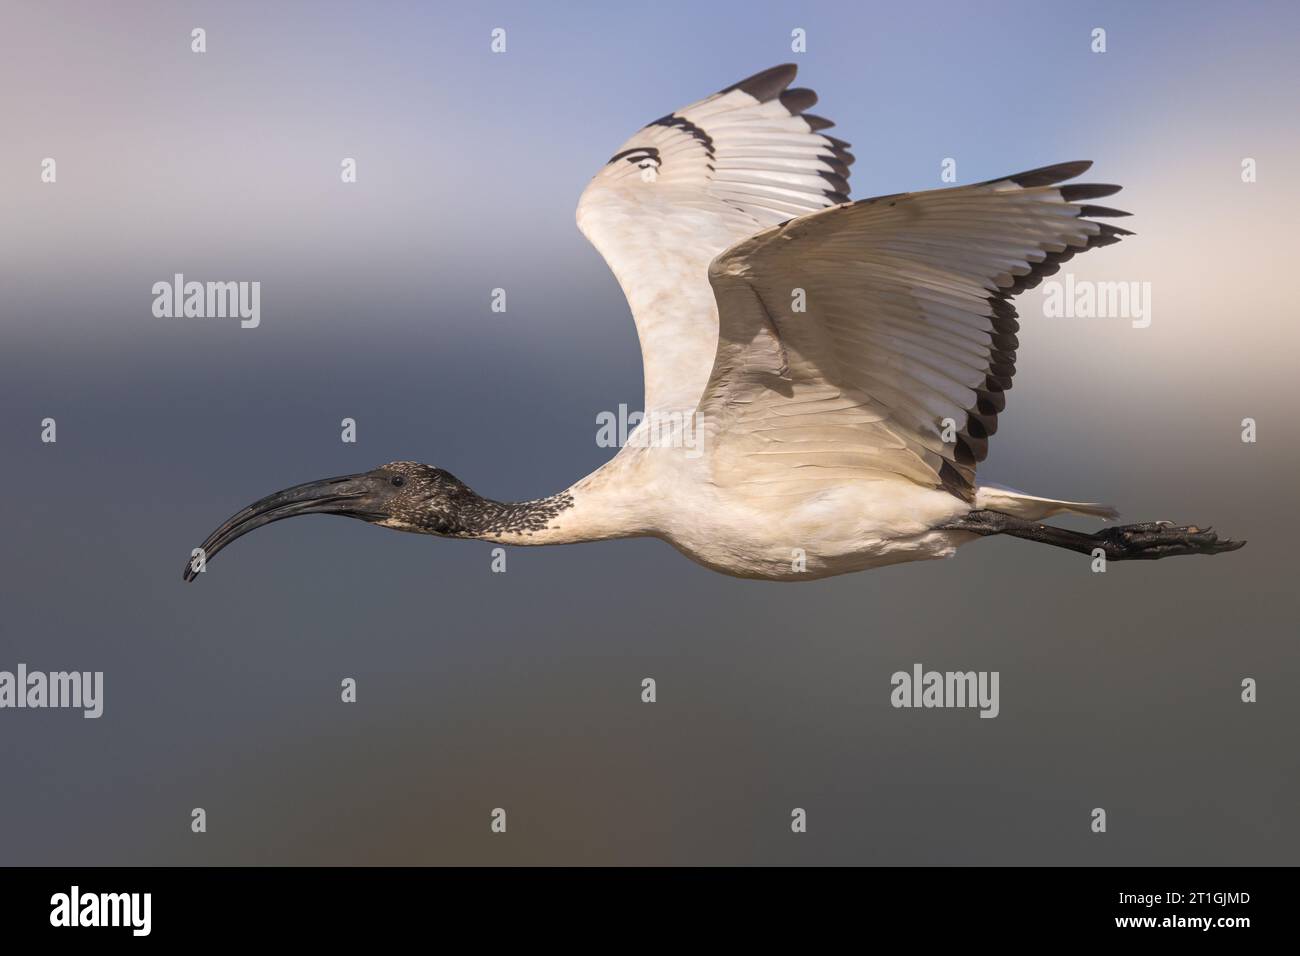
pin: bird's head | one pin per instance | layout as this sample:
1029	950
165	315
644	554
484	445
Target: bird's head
403	495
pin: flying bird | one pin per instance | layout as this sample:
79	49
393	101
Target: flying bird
822	376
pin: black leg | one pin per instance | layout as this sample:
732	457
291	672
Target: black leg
1128	542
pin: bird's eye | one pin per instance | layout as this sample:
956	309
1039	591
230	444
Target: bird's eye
398	481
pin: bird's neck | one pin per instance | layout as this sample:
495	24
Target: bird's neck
594	509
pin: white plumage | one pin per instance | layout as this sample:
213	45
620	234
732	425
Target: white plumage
821	376
824	428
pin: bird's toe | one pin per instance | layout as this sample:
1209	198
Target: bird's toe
1160	539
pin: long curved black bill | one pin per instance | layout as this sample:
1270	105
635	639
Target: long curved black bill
347	495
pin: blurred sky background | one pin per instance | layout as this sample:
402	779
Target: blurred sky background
521	690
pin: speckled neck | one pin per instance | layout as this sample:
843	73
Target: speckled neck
478	517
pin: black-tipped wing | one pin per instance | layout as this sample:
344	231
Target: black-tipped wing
907	345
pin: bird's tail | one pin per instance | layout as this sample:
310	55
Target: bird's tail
1033	508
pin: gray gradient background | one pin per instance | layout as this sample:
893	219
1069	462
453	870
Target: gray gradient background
479	690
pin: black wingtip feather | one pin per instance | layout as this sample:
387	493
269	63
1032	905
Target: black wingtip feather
990	401
1049	175
838	167
798	100
838	184
768	84
970	450
816	123
1088	191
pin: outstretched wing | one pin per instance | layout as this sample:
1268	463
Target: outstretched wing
908	328
688	186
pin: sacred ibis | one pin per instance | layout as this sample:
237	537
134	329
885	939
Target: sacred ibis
830	371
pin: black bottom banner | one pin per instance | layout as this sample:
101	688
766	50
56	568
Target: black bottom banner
90	906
